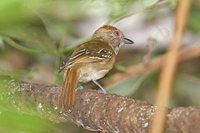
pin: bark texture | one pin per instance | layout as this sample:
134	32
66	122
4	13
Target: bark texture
94	110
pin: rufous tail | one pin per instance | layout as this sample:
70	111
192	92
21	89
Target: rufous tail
67	96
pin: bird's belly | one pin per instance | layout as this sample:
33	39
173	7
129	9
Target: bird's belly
92	74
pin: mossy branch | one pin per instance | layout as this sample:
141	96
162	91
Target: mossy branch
93	110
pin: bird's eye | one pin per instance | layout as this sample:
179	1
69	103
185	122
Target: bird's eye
117	33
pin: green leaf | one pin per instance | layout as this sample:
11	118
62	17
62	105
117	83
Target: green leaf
19	74
129	86
173	3
148	3
12	12
118	8
119	67
12	122
187	90
20	47
194	20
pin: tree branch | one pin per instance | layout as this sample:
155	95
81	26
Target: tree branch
184	54
93	110
168	71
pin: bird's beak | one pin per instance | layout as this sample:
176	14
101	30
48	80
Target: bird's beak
128	41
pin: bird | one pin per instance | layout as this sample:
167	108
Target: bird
91	61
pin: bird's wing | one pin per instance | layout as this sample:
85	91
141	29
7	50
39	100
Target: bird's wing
90	52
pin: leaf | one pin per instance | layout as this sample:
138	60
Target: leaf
18	74
2	45
173	3
118	8
20	47
32	40
119	67
148	3
129	86
12	122
12	12
194	20
187	90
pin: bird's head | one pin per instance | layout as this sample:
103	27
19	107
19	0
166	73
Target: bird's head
113	36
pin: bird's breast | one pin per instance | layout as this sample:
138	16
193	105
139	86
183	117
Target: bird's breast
89	73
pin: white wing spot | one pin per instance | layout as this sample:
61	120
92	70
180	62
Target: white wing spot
101	50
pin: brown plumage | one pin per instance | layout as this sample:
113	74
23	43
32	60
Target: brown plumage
91	61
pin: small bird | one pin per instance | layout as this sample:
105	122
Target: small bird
91	61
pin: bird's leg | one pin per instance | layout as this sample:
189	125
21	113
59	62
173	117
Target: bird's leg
102	89
80	87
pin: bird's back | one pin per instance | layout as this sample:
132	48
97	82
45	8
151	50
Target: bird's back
93	59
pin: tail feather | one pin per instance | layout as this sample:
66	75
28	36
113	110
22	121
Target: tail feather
68	91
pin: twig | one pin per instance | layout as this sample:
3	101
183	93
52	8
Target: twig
150	48
155	64
169	67
93	110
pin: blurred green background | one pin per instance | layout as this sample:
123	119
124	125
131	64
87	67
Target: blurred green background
37	35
